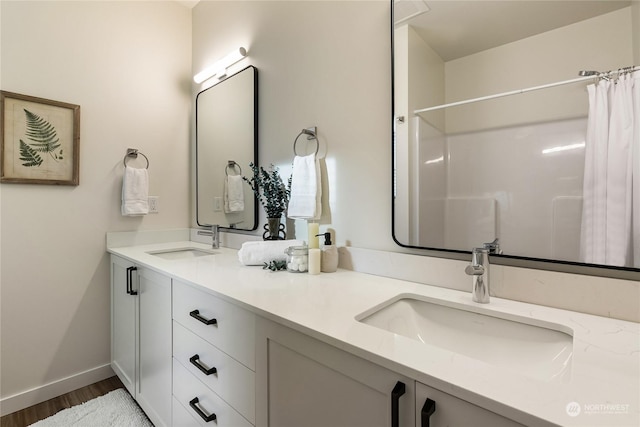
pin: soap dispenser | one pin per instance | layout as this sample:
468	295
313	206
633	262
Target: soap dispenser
329	262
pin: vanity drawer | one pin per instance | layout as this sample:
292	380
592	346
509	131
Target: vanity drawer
232	381
233	331
180	416
186	388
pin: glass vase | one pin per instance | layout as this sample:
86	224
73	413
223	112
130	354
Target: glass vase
274	230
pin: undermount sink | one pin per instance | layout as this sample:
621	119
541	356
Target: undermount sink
181	253
535	348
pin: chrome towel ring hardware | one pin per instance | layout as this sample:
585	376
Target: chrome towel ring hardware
231	164
133	153
312	133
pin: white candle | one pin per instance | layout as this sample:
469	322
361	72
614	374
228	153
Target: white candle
313	229
314	261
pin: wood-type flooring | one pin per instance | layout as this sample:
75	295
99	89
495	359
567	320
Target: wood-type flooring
45	409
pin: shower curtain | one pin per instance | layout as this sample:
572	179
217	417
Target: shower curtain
610	229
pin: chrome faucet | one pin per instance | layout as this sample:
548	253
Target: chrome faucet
479	271
493	247
214	232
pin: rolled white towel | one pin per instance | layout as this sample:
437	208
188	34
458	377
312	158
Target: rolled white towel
257	253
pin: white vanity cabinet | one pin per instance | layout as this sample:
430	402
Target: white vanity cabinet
124	330
437	409
304	382
141	336
194	338
213	360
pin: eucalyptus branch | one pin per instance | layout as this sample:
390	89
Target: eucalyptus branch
275	265
269	189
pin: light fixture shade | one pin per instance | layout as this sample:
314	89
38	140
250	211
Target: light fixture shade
219	68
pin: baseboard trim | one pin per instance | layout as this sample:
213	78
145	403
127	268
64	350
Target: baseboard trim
53	389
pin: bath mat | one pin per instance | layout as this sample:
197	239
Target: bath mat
116	408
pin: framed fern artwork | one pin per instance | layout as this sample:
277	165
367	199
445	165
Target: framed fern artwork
39	140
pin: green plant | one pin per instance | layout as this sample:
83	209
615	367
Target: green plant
44	137
275	265
29	156
269	189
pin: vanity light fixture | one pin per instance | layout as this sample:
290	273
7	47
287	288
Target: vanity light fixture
219	68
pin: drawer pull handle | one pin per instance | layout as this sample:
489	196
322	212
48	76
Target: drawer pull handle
130	271
196	315
427	410
195	362
194	404
397	391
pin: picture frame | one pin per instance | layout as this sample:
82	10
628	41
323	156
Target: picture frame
39	140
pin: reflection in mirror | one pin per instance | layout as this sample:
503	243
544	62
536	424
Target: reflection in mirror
226	143
510	166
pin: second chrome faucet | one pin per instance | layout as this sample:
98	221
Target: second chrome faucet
479	271
214	232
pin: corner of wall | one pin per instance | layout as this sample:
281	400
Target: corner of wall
635	25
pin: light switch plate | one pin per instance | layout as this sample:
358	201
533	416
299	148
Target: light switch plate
217	204
154	204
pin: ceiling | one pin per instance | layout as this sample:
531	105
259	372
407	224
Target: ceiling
455	29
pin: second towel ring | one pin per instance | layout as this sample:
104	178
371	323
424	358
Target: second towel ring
232	164
132	152
312	134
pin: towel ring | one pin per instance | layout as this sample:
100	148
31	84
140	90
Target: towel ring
231	164
132	152
312	134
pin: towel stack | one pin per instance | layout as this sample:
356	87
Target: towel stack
259	252
135	192
306	190
233	194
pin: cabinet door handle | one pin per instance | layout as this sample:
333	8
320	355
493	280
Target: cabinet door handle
196	315
130	271
428	409
194	404
195	362
129	280
397	391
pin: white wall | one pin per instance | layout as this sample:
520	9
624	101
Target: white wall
402	175
128	65
426	80
635	13
601	43
324	64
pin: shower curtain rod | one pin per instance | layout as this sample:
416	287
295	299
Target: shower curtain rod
529	89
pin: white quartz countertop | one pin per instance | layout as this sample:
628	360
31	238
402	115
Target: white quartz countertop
605	371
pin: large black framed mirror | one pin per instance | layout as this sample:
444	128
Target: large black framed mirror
226	144
504	161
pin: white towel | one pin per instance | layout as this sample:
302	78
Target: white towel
306	190
135	191
233	194
259	252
